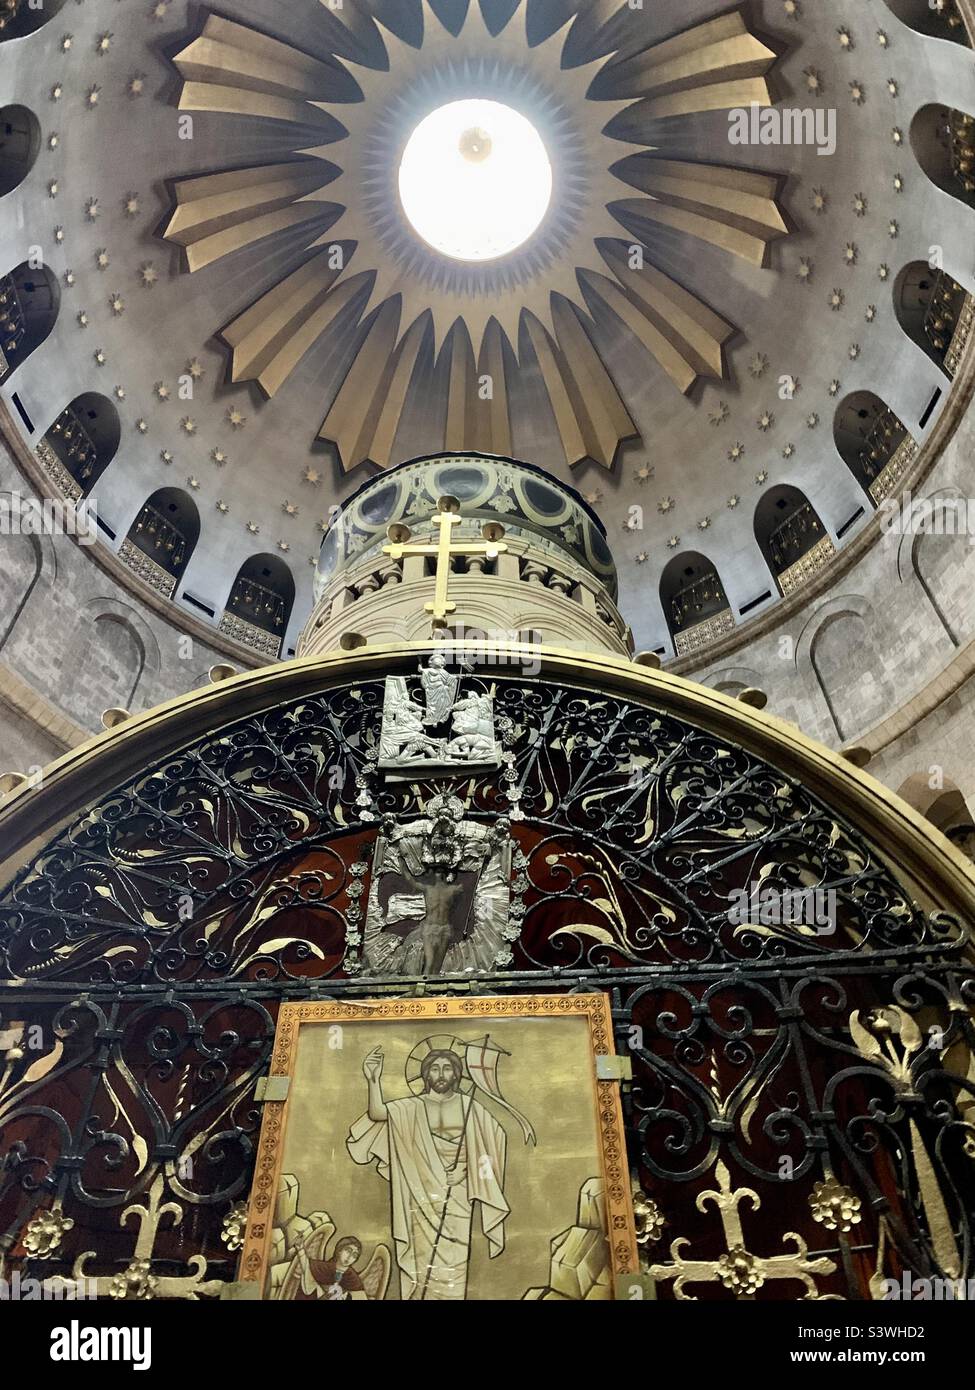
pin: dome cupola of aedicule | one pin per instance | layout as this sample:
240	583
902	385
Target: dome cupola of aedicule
518	555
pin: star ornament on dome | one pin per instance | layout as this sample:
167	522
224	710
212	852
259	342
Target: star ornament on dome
394	257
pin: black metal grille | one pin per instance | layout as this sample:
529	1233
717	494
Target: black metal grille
150	945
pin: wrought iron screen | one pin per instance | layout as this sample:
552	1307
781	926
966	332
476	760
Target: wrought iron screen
802	1104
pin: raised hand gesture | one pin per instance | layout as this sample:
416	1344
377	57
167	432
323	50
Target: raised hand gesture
372	1066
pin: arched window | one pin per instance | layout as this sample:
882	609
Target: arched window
29	301
939	18
791	537
943	141
161	539
694	602
21	17
935	312
81	443
873	443
260	604
20	140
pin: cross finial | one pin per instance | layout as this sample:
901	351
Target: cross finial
447	517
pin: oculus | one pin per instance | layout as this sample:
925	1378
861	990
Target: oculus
475	179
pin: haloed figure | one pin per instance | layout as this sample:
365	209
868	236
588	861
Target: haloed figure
440	1152
334	1279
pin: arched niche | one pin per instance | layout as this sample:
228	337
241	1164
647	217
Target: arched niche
935	312
849	668
943	140
788	530
106	656
873	443
161	539
18	18
29	303
81	443
23	561
20	140
260	603
942	561
941	19
694	602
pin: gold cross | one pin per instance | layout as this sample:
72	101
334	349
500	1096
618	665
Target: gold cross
738	1269
139	1281
448	516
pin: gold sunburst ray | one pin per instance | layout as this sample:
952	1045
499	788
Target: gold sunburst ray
596	110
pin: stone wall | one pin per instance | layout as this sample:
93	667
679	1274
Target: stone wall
885	657
74	642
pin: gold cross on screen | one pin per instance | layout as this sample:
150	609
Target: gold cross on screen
448	516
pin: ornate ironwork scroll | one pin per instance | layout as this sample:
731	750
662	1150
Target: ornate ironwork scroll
800	1117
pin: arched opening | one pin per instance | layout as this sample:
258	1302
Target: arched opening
873	443
791	537
81	443
20	140
161	539
21	17
935	312
939	18
29	302
260	604
943	140
694	601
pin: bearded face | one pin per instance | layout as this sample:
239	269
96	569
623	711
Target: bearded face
440	1075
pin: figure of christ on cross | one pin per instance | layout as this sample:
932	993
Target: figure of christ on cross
440	1151
443	896
448	516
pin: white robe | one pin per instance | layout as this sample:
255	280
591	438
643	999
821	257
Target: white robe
431	1220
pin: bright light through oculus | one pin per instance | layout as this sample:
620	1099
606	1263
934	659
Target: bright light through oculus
475	180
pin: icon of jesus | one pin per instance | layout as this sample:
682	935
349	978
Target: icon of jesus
440	1151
